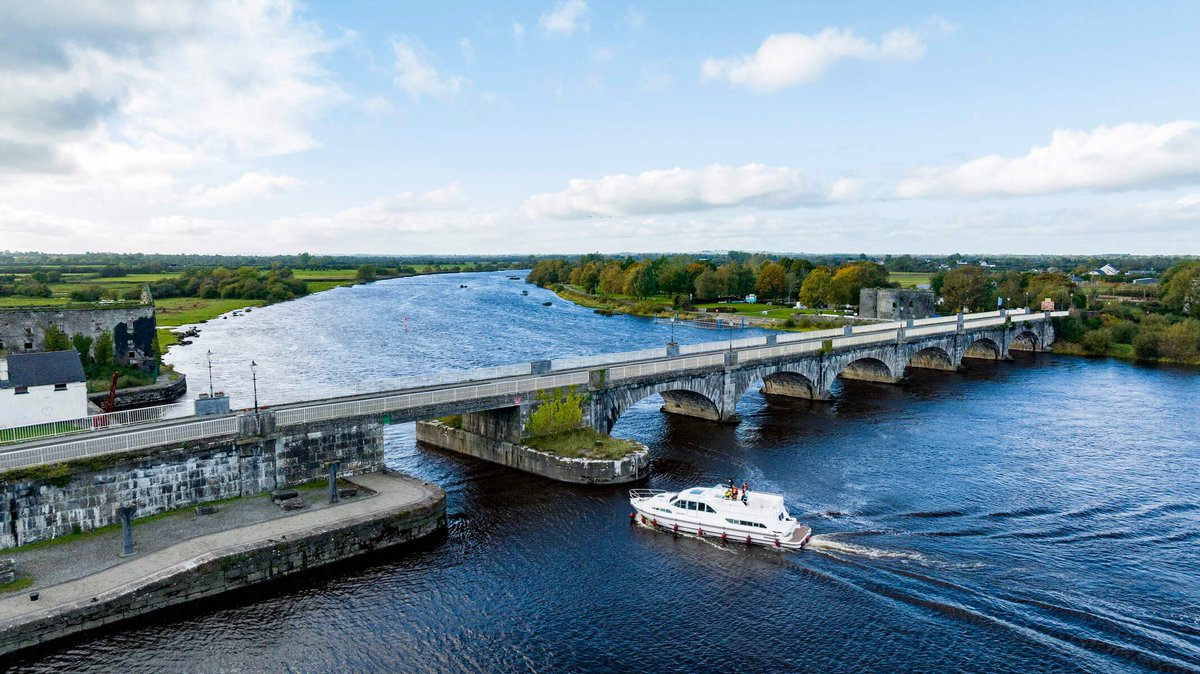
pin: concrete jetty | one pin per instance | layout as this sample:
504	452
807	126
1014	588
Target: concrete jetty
400	509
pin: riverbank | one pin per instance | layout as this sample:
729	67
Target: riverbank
783	319
83	584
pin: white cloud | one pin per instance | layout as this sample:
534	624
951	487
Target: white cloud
634	18
1122	157
114	101
518	29
378	105
788	59
468	54
677	190
566	17
417	77
250	186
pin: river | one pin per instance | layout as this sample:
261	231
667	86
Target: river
1038	515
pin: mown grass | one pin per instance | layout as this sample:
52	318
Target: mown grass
909	279
583	443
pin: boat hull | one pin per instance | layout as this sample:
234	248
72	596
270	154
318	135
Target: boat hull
796	540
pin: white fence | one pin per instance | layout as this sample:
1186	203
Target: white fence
96	422
292	415
673	365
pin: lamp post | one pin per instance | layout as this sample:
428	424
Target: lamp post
254	381
210	384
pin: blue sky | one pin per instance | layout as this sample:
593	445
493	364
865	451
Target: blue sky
573	126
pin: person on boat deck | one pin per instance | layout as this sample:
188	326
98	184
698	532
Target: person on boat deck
745	500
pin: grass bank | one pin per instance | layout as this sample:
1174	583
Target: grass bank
583	443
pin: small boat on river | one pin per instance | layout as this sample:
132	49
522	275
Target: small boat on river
754	518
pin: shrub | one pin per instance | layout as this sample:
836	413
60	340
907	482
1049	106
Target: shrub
1145	344
1123	331
1096	343
1181	342
558	412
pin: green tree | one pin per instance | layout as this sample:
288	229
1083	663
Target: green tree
612	279
1180	288
815	290
54	339
102	350
850	279
1095	343
639	281
966	287
707	285
1181	342
366	273
83	344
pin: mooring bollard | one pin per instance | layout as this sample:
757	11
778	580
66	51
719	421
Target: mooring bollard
126	515
333	489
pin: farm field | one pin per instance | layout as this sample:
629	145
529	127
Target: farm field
909	279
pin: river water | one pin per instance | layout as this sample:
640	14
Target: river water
1039	515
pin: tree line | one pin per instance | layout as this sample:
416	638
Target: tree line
689	279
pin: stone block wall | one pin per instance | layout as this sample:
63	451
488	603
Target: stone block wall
634	467
38	505
230	569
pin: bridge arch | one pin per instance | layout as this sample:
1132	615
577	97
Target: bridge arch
789	384
1026	340
932	358
983	348
695	396
868	369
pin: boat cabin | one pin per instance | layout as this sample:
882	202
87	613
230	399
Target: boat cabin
759	511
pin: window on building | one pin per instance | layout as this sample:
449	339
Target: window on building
60	387
131	354
21	389
29	346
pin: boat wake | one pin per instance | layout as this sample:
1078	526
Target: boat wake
826	543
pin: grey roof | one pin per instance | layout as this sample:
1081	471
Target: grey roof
42	369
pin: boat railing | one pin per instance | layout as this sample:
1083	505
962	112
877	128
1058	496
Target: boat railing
645	493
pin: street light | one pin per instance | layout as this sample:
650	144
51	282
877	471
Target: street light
254	381
210	384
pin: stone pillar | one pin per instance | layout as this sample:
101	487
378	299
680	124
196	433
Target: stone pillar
333	488
672	350
500	424
539	367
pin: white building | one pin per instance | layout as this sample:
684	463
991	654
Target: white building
38	388
1109	270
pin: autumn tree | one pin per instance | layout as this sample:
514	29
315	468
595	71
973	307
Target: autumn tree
966	287
772	280
814	292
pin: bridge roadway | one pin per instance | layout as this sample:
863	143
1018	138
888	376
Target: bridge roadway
703	380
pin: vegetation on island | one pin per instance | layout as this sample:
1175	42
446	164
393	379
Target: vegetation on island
556	426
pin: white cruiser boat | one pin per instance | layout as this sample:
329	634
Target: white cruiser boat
710	512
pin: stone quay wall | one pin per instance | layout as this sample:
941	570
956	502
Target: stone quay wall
631	468
50	501
144	396
233	568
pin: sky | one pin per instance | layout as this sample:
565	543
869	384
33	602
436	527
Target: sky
572	126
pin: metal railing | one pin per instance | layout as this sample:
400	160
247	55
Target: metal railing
95	422
672	365
399	401
119	442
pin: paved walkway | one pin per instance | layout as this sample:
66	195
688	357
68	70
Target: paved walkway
391	492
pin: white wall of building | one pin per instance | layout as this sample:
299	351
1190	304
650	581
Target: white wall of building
42	404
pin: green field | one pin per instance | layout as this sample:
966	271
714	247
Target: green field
909	279
176	311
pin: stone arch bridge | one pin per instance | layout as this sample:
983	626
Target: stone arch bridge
712	392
